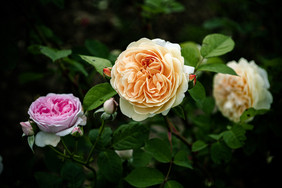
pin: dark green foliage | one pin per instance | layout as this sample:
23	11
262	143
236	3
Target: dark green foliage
62	47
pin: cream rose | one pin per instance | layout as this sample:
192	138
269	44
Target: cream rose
150	78
234	94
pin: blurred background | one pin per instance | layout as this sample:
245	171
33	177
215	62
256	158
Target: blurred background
105	27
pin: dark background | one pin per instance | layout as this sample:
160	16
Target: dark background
252	24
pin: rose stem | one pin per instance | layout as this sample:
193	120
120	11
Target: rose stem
176	133
66	156
170	163
167	174
94	145
75	160
66	148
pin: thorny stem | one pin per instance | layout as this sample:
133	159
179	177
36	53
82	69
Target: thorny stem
176	133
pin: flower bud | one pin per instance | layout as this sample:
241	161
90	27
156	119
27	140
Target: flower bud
27	128
77	131
192	77
110	106
107	72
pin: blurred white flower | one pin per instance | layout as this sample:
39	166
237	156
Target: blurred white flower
235	94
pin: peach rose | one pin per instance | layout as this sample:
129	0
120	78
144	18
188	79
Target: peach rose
150	78
235	94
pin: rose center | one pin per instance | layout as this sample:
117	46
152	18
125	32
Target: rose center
150	66
57	107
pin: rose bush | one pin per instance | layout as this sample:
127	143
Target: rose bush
235	94
150	78
56	115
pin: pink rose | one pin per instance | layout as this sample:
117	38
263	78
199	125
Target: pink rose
56	115
77	131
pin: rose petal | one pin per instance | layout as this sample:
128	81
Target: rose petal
43	139
128	110
188	69
80	121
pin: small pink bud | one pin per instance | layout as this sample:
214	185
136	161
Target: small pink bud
27	128
77	131
107	72
110	106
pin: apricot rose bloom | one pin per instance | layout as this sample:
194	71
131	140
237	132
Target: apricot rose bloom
150	78
235	94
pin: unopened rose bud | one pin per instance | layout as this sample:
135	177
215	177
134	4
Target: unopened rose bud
77	131
124	154
107	72
192	77
110	106
27	128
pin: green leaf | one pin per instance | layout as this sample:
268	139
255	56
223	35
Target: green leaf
220	153
145	177
198	145
214	60
54	54
97	95
105	138
73	173
110	165
216	136
159	149
216	45
181	159
208	105
247	126
173	184
47	180
30	140
98	63
140	158
97	48
251	112
235	137
191	53
198	92
216	67
202	121
178	110
130	136
78	66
